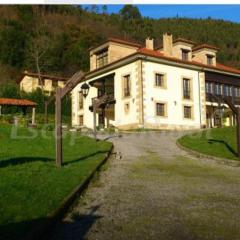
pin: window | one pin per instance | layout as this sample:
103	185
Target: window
161	109
218	89
81	120
126	108
126	86
186	88
80	100
227	90
187	111
159	80
210	59
237	91
209	87
185	53
102	58
54	84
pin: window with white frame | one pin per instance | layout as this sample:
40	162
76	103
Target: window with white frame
209	88
218	89
228	90
237	91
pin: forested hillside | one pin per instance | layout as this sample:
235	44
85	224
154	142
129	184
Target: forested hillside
56	38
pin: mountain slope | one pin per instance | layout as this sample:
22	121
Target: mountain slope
58	37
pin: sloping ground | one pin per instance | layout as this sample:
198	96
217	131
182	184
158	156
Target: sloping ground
218	142
31	186
157	191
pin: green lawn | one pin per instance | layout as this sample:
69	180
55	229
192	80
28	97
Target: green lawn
31	186
219	142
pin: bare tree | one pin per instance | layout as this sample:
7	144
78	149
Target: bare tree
40	43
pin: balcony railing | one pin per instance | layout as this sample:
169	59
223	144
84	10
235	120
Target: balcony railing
215	98
103	100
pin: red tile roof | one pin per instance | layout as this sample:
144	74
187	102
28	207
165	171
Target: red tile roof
218	66
43	76
204	46
184	40
124	42
118	40
17	102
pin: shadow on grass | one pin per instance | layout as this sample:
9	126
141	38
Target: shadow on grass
224	143
35	229
23	160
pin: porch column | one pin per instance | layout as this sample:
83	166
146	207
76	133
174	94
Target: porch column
0	110
33	115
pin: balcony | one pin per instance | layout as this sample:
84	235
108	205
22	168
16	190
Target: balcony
214	98
103	101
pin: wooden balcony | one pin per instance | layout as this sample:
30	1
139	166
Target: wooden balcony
219	98
103	101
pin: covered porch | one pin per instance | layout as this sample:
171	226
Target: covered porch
219	117
24	104
104	103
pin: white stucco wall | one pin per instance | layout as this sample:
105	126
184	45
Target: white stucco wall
121	117
172	95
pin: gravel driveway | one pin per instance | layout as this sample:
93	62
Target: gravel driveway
153	190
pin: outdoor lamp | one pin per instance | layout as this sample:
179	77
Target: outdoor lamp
85	89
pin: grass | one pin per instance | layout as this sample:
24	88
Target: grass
188	199
218	142
31	187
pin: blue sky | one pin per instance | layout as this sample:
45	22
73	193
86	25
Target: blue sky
226	12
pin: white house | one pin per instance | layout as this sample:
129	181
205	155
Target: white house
174	86
29	82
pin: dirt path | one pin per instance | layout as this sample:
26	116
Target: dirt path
154	190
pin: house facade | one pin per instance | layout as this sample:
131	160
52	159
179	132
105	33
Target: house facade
29	82
175	86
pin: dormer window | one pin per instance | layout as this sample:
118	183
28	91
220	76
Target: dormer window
185	53
102	58
210	59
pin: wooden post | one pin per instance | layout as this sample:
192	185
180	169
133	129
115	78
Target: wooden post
236	110
60	93
238	131
33	115
58	128
94	119
0	110
46	112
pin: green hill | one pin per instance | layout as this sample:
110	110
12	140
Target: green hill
58	37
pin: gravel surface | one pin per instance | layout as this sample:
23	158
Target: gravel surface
151	189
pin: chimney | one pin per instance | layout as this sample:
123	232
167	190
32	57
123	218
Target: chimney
149	43
167	44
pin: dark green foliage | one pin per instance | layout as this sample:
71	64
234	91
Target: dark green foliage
12	91
12	44
69	31
129	12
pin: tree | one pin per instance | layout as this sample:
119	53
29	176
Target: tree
12	42
130	12
104	9
40	43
